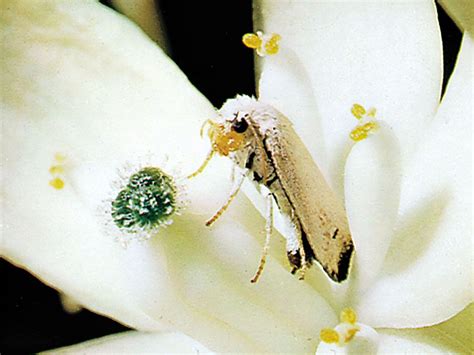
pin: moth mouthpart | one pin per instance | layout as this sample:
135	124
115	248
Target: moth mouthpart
264	44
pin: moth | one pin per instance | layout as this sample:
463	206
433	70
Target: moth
264	147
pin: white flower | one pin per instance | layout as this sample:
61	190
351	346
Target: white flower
102	98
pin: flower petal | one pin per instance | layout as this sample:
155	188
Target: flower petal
372	189
137	342
146	14
453	336
427	276
377	54
103	98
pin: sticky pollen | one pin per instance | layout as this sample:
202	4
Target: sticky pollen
264	44
56	183
224	142
251	40
329	335
56	170
367	122
348	315
358	111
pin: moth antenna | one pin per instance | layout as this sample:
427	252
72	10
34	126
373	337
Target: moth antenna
232	195
268	234
203	165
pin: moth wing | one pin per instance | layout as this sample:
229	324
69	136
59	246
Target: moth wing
321	213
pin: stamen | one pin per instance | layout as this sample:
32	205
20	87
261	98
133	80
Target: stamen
57	183
271	47
329	336
372	112
263	44
251	40
350	334
362	132
348	337
367	123
57	170
358	111
348	315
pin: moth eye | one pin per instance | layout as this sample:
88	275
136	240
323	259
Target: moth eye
240	126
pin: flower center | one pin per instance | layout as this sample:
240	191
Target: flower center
367	123
147	201
264	44
348	336
57	171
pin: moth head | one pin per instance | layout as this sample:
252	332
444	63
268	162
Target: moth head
227	136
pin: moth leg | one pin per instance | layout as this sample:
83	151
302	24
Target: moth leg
232	173
268	234
232	195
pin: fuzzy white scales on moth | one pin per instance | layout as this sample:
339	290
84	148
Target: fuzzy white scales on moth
264	146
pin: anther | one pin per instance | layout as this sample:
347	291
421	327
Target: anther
263	44
329	335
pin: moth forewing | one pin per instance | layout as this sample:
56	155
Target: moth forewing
319	210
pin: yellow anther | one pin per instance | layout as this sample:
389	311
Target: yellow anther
263	44
57	183
358	111
348	315
358	134
329	335
372	112
361	132
370	126
271	47
350	334
56	169
251	40
60	158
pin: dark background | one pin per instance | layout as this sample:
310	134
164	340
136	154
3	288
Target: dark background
32	316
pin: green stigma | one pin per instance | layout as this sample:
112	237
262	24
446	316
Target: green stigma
147	201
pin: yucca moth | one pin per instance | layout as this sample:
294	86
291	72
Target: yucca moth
265	148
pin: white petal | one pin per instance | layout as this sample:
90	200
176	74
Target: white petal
138	343
461	11
103	98
378	54
453	336
372	189
427	276
146	14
